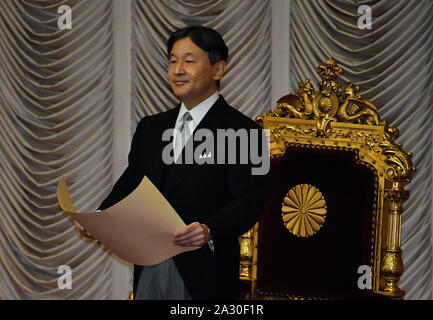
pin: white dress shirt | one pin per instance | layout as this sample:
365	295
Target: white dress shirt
198	112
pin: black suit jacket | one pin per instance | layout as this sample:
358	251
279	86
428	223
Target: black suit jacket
225	197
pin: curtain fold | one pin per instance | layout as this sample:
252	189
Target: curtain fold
393	65
56	120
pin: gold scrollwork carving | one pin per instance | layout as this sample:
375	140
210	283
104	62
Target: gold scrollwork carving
357	110
279	131
323	126
399	162
371	141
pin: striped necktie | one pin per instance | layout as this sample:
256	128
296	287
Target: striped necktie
183	134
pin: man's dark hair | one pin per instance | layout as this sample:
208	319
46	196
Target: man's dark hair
207	39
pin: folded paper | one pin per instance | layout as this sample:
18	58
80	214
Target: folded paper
139	229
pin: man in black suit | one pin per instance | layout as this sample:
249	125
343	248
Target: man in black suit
218	200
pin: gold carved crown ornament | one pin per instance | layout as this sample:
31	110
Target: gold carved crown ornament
329	103
332	104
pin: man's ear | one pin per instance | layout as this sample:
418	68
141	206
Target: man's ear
219	69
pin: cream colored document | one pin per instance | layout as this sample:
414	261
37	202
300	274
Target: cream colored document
139	229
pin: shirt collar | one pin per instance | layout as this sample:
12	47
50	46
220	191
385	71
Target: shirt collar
199	111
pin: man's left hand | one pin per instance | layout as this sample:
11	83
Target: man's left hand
193	235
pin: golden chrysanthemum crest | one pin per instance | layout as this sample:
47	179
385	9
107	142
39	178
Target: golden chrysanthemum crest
303	210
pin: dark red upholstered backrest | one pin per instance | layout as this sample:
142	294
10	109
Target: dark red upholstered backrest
324	265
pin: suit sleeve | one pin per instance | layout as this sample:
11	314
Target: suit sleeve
132	175
247	196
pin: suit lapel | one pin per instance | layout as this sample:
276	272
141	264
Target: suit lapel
157	166
211	121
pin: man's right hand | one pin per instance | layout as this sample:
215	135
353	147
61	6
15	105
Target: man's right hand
83	231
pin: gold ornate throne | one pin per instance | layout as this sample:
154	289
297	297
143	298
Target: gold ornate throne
332	220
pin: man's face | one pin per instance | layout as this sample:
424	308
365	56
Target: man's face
190	74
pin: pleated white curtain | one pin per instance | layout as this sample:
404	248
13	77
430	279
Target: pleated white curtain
245	27
55	120
393	64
